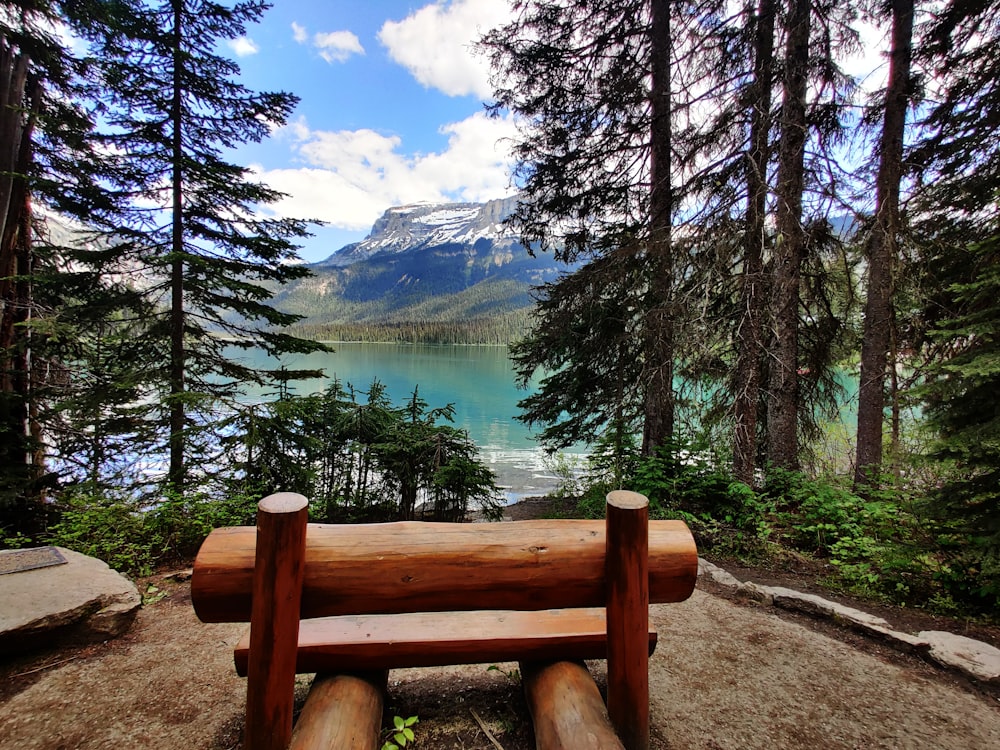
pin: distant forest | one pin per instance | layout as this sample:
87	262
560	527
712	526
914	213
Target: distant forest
499	330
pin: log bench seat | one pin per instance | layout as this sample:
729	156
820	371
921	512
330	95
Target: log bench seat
353	643
350	602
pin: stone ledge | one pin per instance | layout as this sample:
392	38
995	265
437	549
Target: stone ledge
974	659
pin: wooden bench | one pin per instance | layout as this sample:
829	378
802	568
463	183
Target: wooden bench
349	602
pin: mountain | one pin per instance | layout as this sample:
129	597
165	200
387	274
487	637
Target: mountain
405	228
443	263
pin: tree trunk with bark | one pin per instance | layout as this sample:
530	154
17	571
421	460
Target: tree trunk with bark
659	328
882	250
751	332
177	354
783	402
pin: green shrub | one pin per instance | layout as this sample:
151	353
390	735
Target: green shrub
110	529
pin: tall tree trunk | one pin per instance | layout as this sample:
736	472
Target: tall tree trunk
658	379
20	100
750	332
176	477
882	250
783	404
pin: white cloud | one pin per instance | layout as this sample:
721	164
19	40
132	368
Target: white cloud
436	42
350	177
337	46
243	46
333	46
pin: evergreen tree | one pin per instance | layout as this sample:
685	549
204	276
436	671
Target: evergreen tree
45	158
882	248
749	332
172	108
958	220
592	84
586	338
783	385
961	403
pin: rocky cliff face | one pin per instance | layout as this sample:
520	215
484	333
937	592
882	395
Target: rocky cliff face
409	228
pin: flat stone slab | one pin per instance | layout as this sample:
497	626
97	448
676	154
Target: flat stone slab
817	605
81	601
975	659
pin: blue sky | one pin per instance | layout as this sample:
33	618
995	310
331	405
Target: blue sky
391	109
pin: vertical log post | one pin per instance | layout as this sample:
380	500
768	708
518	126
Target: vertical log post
274	620
627	573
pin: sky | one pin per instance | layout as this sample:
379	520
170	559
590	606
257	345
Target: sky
391	109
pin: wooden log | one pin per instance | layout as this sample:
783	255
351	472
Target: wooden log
435	567
420	639
342	711
566	708
628	617
274	624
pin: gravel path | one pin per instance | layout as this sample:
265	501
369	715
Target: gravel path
725	675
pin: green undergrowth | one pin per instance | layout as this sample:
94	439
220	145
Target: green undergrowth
882	545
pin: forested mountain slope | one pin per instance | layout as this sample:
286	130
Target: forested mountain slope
445	264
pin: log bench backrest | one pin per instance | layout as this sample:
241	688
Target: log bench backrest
433	567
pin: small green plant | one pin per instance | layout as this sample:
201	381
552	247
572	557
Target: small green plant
401	733
152	595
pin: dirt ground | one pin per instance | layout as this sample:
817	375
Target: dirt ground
726	674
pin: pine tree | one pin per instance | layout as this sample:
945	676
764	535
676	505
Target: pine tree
882	248
958	219
961	403
750	327
592	85
173	107
45	158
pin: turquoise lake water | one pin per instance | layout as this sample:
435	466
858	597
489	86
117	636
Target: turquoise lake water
478	380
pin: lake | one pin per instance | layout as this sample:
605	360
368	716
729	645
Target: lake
478	380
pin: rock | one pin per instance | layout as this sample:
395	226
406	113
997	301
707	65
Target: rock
817	605
975	659
900	641
755	591
82	601
717	574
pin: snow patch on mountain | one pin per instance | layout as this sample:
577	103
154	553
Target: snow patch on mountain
405	228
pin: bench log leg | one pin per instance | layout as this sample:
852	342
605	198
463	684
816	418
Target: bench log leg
566	708
343	712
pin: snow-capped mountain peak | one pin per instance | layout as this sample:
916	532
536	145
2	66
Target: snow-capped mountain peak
404	228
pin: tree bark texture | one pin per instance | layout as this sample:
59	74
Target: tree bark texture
176	472
20	101
751	327
883	250
783	386
658	378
